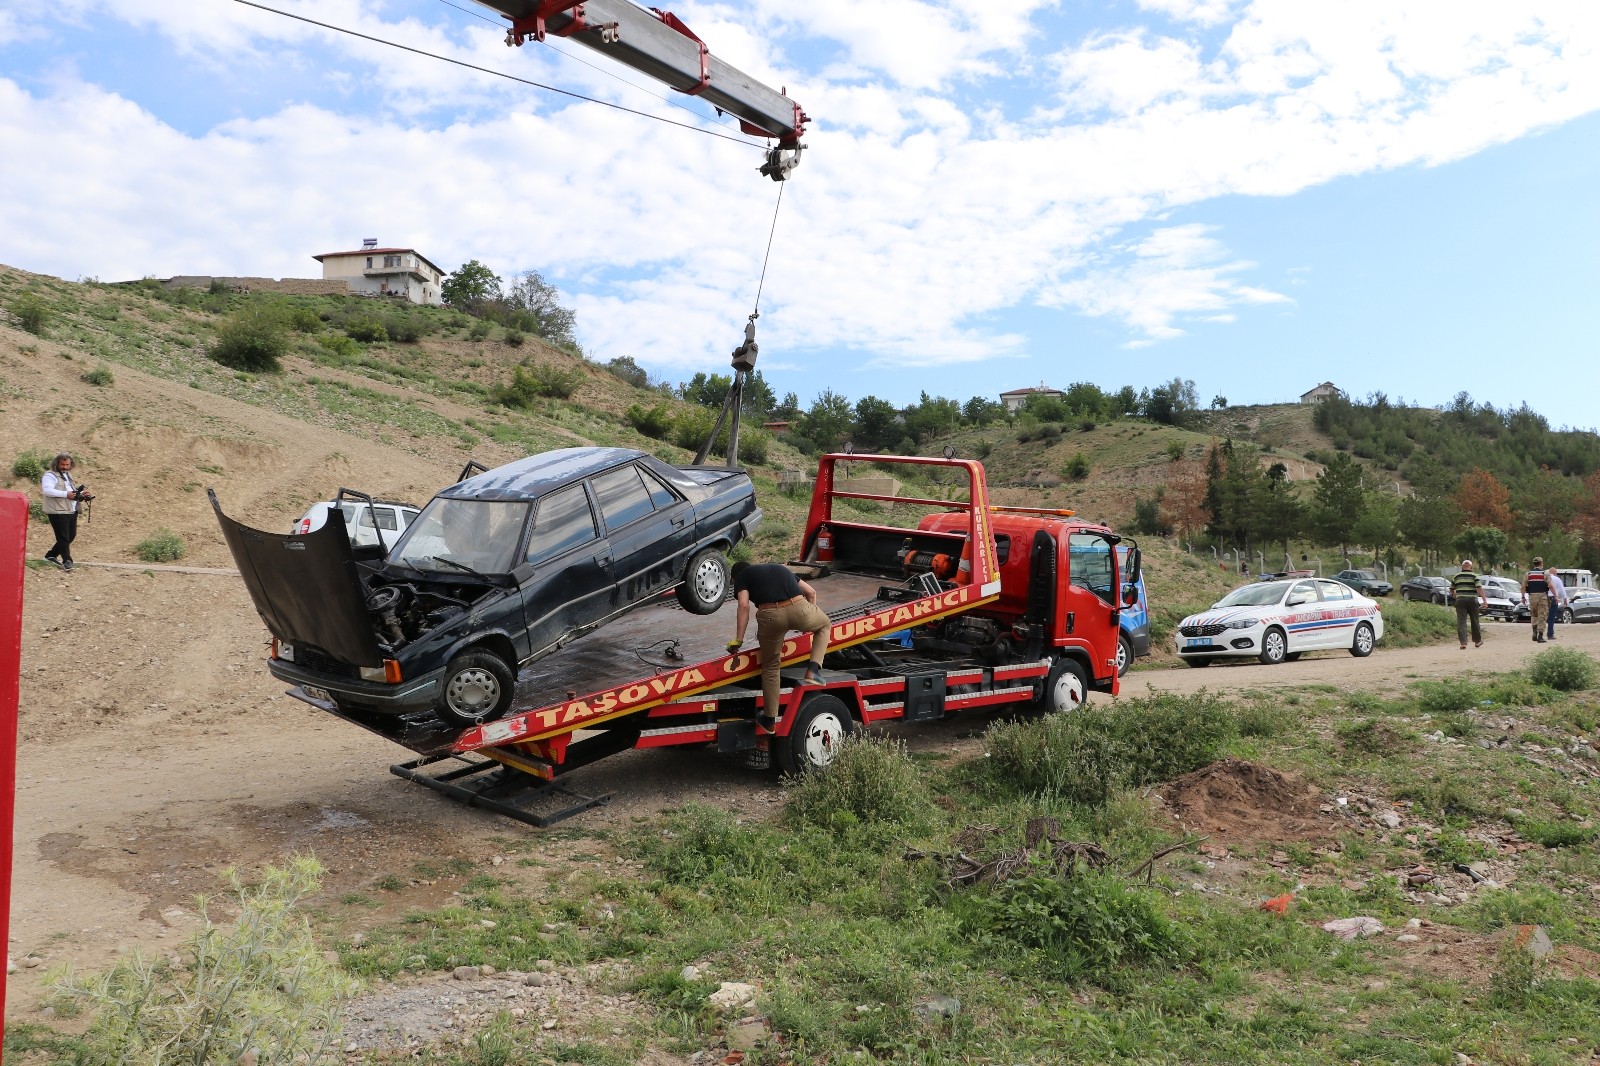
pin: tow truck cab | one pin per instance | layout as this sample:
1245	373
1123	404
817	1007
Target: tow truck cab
1060	586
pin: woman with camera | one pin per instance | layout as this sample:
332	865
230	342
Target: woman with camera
61	499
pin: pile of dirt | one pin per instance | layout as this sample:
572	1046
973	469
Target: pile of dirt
1241	802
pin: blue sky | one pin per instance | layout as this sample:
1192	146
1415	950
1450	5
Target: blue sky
1255	194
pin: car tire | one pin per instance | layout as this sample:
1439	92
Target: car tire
1566	616
1274	646
705	582
477	688
1124	654
1198	663
813	741
1442	601
1066	687
1362	644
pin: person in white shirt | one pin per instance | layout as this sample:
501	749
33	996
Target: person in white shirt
1558	600
61	499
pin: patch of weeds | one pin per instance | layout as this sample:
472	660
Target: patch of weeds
100	376
1448	694
25	1037
389	883
1262	719
1563	669
1086	756
1555	834
30	465
31	314
1365	702
870	781
1517	690
529	383
1451	845
1446	796
1373	737
162	546
1514	977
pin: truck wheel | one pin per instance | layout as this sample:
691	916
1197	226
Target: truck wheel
813	741
1124	653
1274	646
705	582
1066	687
1361	646
477	688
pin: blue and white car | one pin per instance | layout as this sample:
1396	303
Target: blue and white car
1275	621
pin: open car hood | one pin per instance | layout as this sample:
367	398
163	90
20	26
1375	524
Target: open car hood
306	587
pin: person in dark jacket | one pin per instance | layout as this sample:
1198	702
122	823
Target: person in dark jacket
1469	602
1537	589
783	604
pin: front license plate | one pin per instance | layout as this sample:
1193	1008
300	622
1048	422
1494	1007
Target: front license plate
317	693
1198	642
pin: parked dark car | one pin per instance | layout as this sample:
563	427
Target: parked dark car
1583	605
1429	589
497	571
1365	582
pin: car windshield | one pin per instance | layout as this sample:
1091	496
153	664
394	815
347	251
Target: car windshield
1254	595
451	534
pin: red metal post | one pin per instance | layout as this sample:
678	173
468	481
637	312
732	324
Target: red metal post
13	549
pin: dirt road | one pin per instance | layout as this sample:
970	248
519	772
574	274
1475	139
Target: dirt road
156	751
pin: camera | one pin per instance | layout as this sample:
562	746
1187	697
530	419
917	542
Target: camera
82	493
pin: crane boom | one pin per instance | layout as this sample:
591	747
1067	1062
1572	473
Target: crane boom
658	44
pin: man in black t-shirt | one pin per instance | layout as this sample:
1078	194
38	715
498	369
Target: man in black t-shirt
783	604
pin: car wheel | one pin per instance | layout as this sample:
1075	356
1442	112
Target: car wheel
1440	600
477	688
813	742
1124	654
705	582
1274	646
1566	616
1361	646
1197	663
1066	687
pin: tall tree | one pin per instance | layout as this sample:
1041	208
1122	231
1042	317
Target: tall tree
1183	505
1281	515
1485	545
1484	501
875	423
471	288
1429	522
531	295
1337	501
827	420
1378	527
982	411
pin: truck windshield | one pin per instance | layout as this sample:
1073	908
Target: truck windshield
1254	595
1089	562
481	534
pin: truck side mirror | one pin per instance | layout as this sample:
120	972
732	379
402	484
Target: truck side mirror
1135	566
1130	595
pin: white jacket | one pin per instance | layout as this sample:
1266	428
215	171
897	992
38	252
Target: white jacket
58	492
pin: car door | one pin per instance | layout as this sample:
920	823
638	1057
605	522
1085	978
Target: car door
1091	595
1302	613
570	585
647	543
1338	614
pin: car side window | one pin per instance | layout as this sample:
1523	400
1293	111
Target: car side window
622	495
1332	590
386	518
563	521
660	495
1304	592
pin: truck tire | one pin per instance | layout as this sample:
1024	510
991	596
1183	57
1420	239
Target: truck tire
1274	646
1066	687
1361	645
477	688
813	741
705	582
1124	653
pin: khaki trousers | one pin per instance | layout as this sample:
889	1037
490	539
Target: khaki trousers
773	624
1539	604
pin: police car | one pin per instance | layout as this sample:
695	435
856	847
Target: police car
1277	620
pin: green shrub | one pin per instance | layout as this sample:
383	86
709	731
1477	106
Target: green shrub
1086	925
479	331
1515	976
30	465
162	546
1563	669
31	314
1077	467
1448	694
303	319
218	287
100	375
253	338
340	346
403	328
514	338
366	330
528	383
37	512
1085	756
260	991
871	780
654	422
1372	737
1175	450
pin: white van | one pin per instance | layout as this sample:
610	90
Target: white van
1573	580
361	521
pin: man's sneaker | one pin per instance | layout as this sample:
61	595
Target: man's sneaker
67	565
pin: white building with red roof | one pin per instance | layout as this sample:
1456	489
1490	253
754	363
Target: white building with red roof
399	272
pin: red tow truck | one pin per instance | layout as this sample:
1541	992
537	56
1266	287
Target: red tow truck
962	606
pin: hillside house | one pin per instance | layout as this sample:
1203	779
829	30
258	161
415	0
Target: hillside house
1321	392
1015	398
401	272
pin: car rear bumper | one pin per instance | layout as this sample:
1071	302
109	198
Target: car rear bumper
416	694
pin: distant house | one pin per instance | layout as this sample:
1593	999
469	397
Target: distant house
1017	397
1321	392
400	272
780	426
